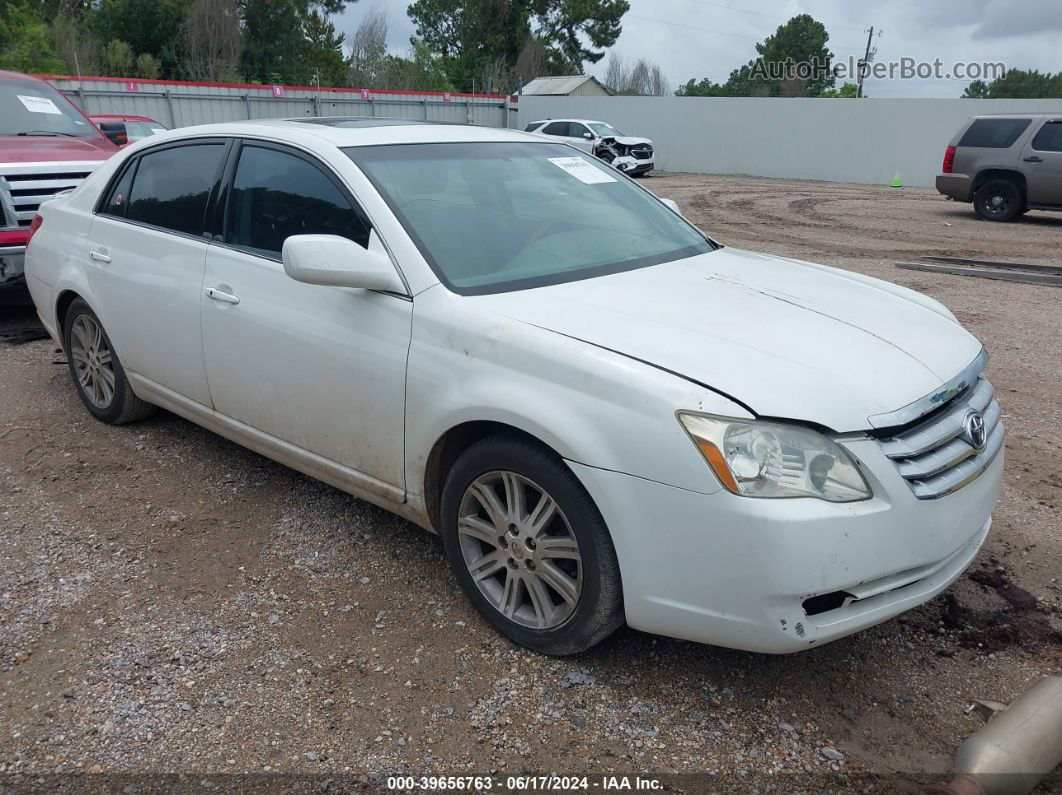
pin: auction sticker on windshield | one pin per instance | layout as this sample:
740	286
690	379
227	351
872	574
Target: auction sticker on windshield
582	170
40	105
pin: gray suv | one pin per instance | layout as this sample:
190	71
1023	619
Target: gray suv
1006	165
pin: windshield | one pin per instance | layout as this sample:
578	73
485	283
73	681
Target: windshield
139	130
491	217
28	107
604	130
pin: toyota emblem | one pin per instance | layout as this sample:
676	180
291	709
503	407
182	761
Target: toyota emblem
974	427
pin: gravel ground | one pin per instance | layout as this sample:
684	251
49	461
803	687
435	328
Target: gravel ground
170	602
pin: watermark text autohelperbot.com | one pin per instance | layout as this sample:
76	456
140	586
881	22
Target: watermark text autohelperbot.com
905	68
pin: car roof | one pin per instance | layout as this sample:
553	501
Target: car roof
19	76
1015	115
121	117
343	131
581	121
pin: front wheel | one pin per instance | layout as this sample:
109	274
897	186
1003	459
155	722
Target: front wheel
530	548
98	376
998	200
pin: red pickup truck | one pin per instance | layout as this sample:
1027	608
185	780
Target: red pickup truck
46	146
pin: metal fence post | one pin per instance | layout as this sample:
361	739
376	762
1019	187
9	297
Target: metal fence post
169	105
247	104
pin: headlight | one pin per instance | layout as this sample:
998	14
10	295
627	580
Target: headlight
773	460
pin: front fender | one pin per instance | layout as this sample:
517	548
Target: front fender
591	405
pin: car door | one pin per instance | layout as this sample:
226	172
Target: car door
146	259
1042	164
577	136
563	131
322	368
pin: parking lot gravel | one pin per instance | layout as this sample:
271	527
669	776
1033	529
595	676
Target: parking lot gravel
171	602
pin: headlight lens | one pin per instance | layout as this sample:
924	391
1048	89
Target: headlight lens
774	460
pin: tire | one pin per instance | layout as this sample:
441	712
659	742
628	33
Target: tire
552	586
998	200
97	373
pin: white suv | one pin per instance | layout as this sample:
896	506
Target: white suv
633	156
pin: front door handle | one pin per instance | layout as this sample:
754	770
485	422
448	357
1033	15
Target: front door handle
218	295
99	256
1034	159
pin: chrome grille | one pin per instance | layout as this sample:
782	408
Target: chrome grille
23	190
934	456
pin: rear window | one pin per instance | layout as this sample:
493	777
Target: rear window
994	133
171	187
1049	139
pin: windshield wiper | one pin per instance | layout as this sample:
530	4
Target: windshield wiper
48	132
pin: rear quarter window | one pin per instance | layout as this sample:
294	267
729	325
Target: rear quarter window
1049	138
994	133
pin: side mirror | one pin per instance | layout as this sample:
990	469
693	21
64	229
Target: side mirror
588	135
672	205
338	262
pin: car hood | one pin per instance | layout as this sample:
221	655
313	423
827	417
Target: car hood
788	339
49	149
628	140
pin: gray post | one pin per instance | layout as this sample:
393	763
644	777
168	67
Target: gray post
169	104
247	104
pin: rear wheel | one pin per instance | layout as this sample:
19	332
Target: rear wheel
530	548
998	200
97	373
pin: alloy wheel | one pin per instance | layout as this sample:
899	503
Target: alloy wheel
520	550
93	361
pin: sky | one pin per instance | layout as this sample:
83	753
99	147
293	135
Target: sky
709	38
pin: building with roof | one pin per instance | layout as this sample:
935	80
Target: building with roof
566	86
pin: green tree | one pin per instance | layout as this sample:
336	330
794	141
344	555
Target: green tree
794	61
147	26
847	91
1017	84
275	44
26	43
704	87
477	37
118	59
422	71
323	58
148	66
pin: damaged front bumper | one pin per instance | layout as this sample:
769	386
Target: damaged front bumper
784	575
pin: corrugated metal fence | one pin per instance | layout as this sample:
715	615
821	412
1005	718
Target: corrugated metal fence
180	104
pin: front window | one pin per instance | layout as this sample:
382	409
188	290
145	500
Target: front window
604	130
29	108
276	195
492	217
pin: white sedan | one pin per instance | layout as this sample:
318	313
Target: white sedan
607	415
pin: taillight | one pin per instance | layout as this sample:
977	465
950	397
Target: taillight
949	159
35	224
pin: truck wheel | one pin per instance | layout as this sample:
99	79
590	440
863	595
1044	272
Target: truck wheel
94	367
998	200
530	548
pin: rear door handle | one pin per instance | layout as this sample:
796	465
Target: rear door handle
218	295
1034	159
99	256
